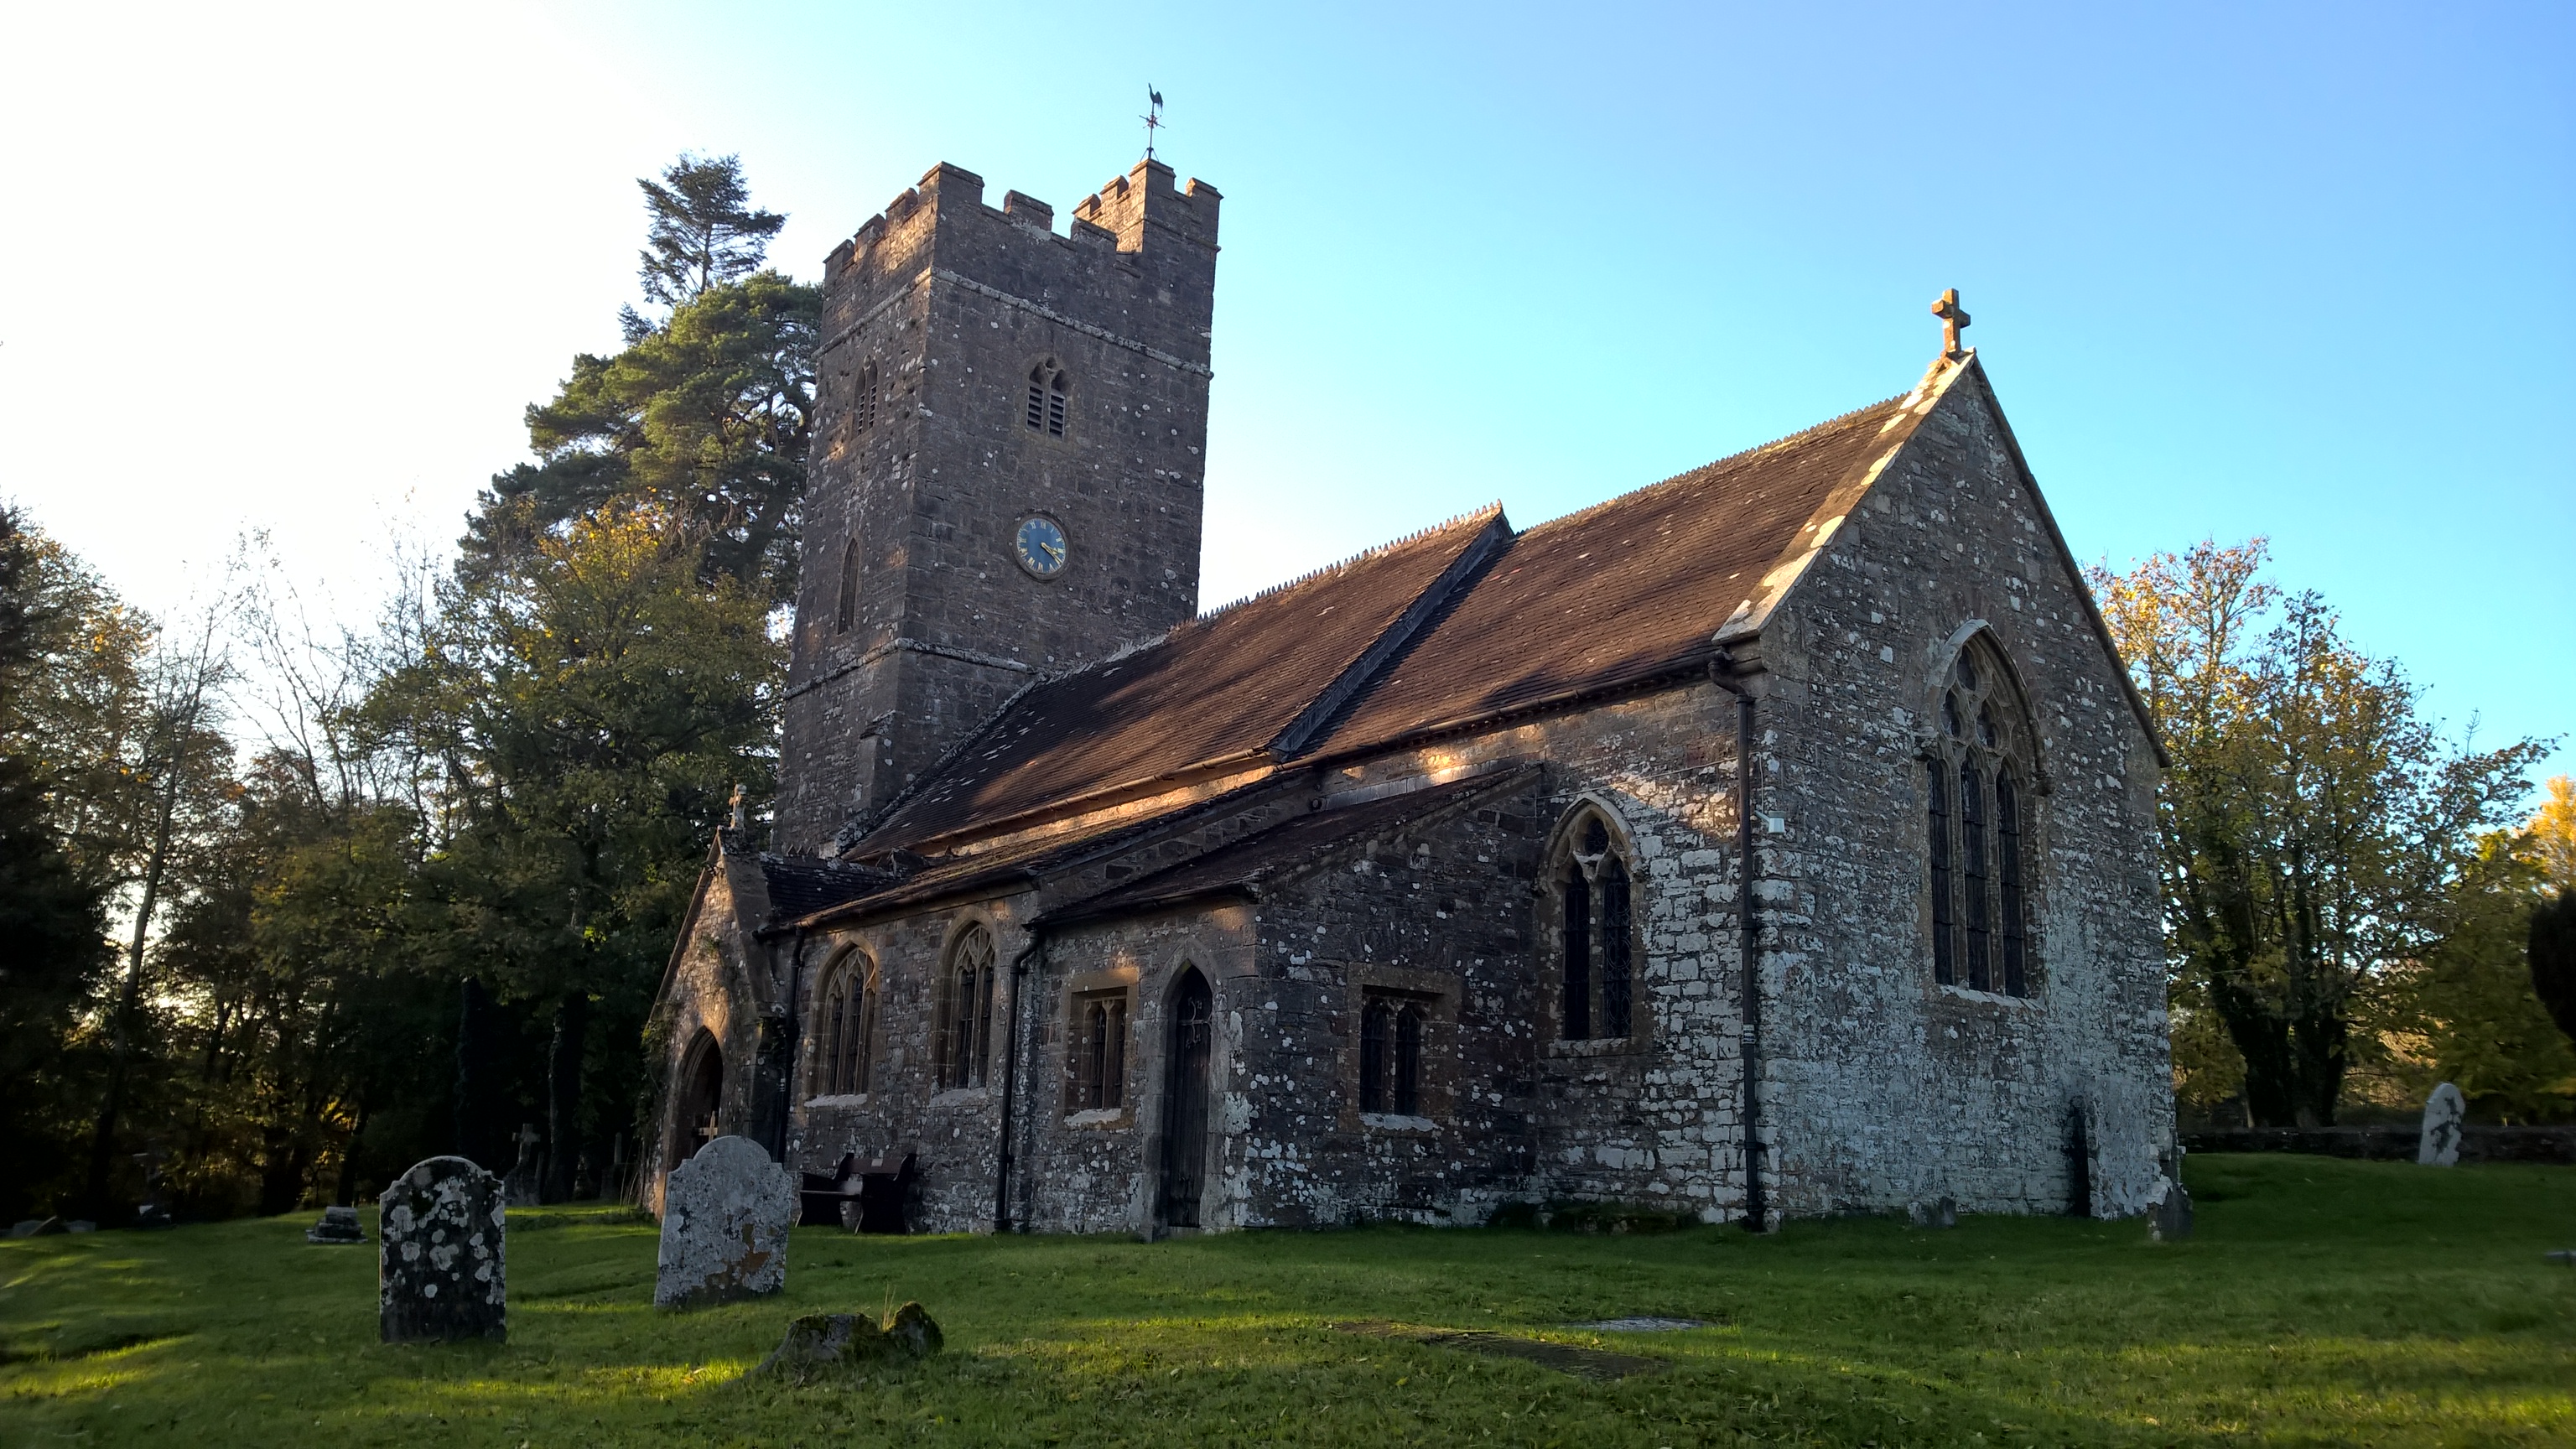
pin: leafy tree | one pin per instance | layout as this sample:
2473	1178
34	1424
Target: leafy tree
593	705
706	419
52	922
704	230
2551	944
2314	827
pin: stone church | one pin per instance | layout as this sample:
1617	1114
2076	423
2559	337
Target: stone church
1776	839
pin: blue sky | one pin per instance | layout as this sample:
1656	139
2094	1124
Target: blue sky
2300	271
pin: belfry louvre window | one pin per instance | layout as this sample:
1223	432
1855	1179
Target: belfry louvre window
848	1019
1596	943
869	390
1099	1052
964	1016
1974	800
1049	387
1391	1028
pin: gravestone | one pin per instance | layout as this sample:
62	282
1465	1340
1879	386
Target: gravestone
439	1260
519	1189
1940	1213
153	1212
2445	1112
338	1225
725	1215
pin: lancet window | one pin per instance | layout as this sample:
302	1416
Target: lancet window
848	611
1391	1028
1050	388
964	1017
1595	906
1974	798
848	1019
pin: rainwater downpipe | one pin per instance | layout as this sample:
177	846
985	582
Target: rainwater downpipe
786	1104
1721	673
1011	1080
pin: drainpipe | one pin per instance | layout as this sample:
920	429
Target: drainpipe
1756	1214
1011	1079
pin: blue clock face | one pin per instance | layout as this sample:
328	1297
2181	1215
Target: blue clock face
1040	546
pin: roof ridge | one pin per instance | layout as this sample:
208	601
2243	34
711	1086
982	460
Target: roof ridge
1688	473
1475	515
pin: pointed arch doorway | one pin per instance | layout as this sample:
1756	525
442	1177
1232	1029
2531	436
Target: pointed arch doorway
701	1097
1185	1099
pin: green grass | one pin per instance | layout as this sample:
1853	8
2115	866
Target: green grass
2323	1302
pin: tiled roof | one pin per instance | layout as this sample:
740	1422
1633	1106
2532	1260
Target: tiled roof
1618	590
1453	625
1223	685
802	887
1284	849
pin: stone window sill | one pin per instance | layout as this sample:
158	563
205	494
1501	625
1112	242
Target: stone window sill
1390	1122
1990	998
1097	1117
962	1097
839	1099
1599	1046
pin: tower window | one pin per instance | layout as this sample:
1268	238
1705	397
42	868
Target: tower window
1050	387
1596	942
964	1018
1978	878
869	387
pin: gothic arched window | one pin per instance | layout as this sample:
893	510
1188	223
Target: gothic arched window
1049	389
964	1018
849	607
1596	943
848	1020
1974	801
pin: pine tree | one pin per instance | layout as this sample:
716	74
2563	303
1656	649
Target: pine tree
704	230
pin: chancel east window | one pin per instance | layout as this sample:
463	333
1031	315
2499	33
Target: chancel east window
1391	1054
1099	1052
964	1017
1596	941
1974	795
1049	387
848	1020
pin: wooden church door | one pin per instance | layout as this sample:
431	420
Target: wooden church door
1185	1105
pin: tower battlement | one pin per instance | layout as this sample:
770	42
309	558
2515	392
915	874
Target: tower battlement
1119	215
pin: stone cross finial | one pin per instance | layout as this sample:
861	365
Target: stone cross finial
1953	319
740	816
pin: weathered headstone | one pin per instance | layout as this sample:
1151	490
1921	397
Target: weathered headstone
2445	1112
1939	1213
725	1215
821	1343
2169	1220
520	1187
439	1264
338	1225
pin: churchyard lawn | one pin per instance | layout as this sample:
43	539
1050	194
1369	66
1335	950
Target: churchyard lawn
2321	1302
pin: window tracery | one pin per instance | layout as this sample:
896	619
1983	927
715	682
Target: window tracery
1099	1052
1050	387
1973	821
848	1019
1596	942
964	1020
1391	1032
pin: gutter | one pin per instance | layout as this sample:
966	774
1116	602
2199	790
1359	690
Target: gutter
1720	672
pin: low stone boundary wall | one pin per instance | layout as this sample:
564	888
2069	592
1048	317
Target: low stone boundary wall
2477	1144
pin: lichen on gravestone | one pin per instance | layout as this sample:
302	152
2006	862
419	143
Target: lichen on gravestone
725	1216
2446	1114
440	1264
826	1343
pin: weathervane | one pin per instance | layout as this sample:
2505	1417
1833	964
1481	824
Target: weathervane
1153	118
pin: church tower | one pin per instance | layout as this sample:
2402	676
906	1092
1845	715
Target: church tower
1006	479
